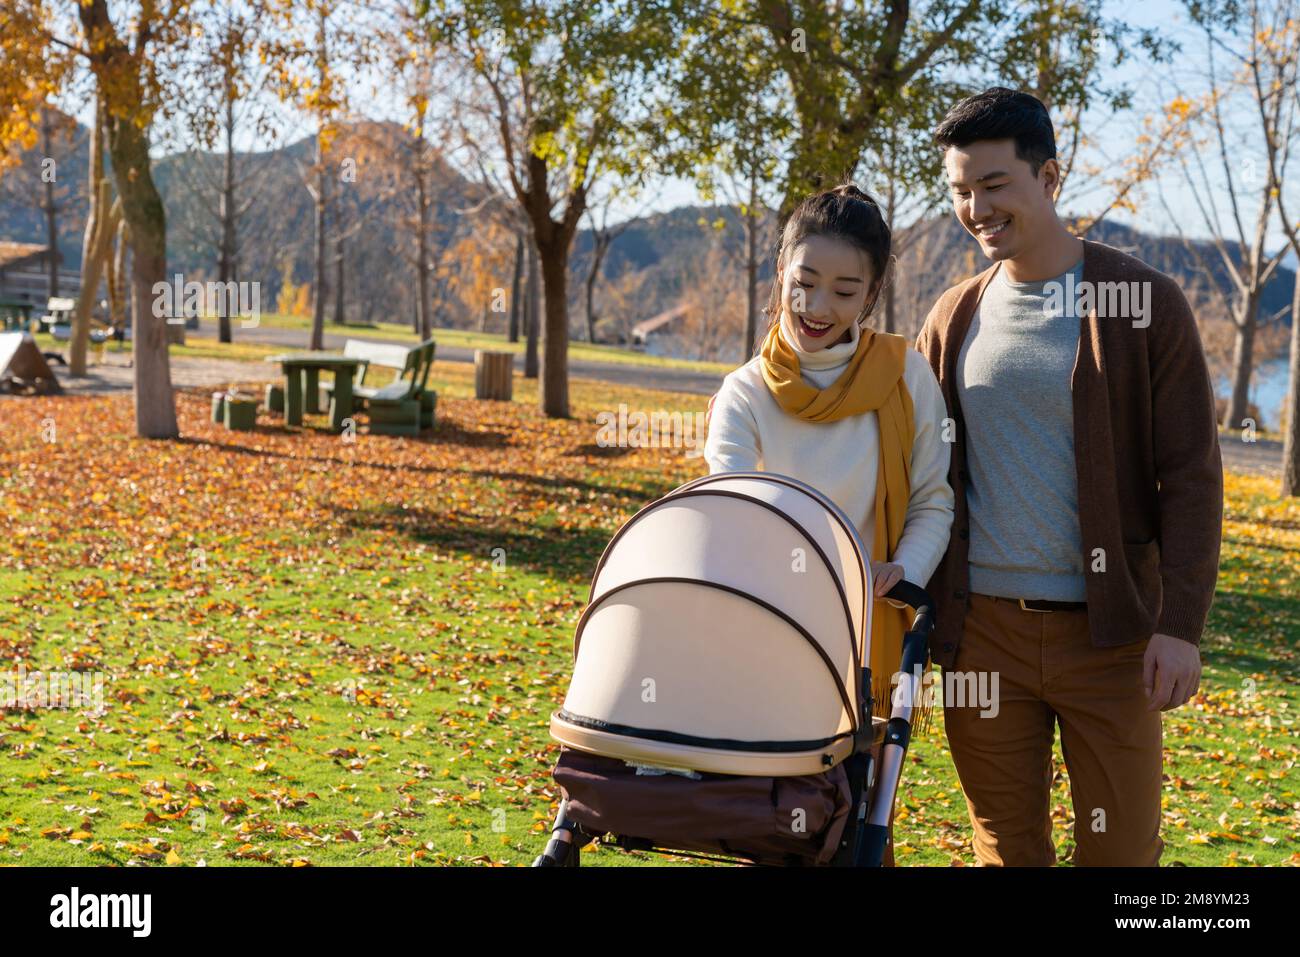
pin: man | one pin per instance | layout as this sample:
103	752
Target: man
1089	499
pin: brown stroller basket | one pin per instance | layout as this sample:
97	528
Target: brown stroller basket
721	695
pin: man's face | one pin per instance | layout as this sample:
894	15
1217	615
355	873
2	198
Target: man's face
997	197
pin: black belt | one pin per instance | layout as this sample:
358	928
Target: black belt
1042	604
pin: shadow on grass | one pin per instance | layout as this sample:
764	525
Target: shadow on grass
446	431
599	451
638	492
564	554
1283	524
1252	543
1234	613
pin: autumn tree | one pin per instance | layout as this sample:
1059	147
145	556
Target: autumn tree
850	72
1273	67
223	99
407	60
126	53
96	249
1234	196
568	93
602	233
313	47
482	260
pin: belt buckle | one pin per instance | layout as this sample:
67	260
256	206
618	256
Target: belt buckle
1041	611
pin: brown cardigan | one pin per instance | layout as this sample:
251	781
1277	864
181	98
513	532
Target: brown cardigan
1146	447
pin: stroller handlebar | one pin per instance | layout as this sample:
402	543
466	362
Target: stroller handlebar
921	603
913	595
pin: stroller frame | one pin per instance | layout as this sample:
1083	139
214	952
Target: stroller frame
873	789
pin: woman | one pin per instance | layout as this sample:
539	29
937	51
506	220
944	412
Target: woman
856	414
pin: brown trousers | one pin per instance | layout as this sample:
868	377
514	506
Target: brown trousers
1048	672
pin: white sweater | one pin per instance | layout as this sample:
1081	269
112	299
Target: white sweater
749	431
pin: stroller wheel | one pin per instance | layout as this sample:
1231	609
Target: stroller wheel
564	849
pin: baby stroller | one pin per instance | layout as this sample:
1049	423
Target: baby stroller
721	694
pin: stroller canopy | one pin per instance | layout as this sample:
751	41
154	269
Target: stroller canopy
724	632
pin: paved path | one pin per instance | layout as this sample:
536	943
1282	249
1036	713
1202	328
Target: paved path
1262	457
114	375
645	377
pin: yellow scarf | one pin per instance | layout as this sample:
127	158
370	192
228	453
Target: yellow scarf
872	381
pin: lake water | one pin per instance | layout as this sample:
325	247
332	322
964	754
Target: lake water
1267	390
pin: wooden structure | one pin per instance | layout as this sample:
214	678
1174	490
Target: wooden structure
493	374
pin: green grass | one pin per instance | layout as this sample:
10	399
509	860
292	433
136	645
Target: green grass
331	652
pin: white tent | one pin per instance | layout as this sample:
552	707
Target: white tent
22	361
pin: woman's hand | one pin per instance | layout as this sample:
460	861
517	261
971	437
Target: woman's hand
885	575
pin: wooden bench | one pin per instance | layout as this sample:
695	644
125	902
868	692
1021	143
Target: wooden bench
58	317
403	406
58	322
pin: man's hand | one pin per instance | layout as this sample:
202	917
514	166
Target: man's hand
885	575
1171	672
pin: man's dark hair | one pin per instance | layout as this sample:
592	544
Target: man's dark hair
1001	114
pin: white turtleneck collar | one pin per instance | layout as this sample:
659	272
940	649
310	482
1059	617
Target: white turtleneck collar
829	358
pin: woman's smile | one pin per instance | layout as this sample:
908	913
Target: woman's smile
814	329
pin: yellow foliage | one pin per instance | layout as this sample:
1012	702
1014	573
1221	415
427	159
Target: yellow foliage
294	299
1179	108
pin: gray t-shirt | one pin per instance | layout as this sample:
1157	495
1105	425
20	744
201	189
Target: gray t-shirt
1013	383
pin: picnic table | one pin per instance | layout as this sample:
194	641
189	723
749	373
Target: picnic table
302	382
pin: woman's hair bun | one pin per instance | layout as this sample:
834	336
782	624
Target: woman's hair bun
851	189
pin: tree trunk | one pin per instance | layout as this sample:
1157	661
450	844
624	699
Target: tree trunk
318	306
338	282
51	210
515	282
100	193
423	308
555	330
751	275
95	261
226	258
1291	440
1243	357
155	408
891	206
591	286
118	82
532	297
117	297
112	277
